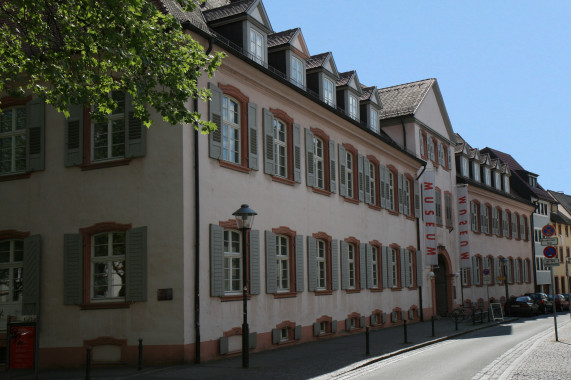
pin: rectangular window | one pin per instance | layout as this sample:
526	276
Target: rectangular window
464	166
487	265
441	159
280	148
373	183
390	191
430	148
448	207
464	273
231	130
477	270
351	266
406	196
353	108
374	120
393	268
11	274
282	258
319	162
349	175
108	266
506	184
375	266
257	46
321	265
296	72
409	268
497	180
514	223
474	216
476	171
487	176
13	140
109	135
232	262
421	142
328	92
438	206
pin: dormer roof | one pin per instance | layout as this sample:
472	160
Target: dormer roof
485	160
323	61
371	94
234	9
351	80
291	37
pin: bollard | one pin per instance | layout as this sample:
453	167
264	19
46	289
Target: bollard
88	363
140	366
405	332
432	325
456	321
367	351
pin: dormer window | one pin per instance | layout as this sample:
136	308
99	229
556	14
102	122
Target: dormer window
353	107
476	171
328	92
497	180
464	166
533	181
374	120
296	72
506	184
257	46
487	176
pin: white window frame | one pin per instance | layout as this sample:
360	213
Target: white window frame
506	183
232	262
110	259
487	176
393	257
11	284
374	120
297	72
280	148
406	188
477	270
349	175
390	196
328	92
353	107
430	148
375	266
14	131
464	276
464	165
373	183
476	171
319	162
410	268
351	265
113	133
283	263
441	159
497	180
231	130
421	141
487	264
257	46
321	258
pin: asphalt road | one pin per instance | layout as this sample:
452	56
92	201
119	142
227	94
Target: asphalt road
460	358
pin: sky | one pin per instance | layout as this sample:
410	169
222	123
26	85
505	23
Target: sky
503	66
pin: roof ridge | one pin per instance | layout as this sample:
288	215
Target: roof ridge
407	84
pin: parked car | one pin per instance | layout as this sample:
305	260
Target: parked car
523	305
560	302
541	299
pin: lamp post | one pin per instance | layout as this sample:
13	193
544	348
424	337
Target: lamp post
506	262
245	218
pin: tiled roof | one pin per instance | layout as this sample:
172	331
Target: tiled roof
172	7
281	38
232	9
506	158
316	60
558	217
563	199
367	92
403	99
344	78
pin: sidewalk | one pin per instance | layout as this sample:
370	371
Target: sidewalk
302	361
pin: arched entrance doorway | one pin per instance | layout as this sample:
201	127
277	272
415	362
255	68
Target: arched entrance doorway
441	285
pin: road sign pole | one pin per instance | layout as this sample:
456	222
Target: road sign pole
554	307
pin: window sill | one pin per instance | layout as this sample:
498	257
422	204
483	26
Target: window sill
105	305
13	177
106	164
413	287
321	191
351	200
285	181
375	207
233	166
396	289
395	213
285	295
376	290
237	297
351	291
286	343
323	292
409	217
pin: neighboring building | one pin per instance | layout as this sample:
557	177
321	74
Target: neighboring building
524	184
499	233
561	220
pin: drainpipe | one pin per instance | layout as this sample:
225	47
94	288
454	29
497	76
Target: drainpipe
418	243
197	230
533	250
404	133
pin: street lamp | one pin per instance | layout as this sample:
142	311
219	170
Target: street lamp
505	262
245	218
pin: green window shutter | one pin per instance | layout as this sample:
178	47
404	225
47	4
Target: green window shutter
275	336
269	167
309	162
255	262
332	168
31	273
74	136
297	332
216	261
391	278
373	319
399	192
297	153
384	264
316	329
367	174
271	283
215	116
394	316
408	266
403	315
136	265
362	322
344	264
72	269
253	161
382	178
419	268
135	132
362	265
334	326
224	345
35	135
299	264
416	199
403	268
347	324
361	178
311	264
384	318
334	265
369	263
342	171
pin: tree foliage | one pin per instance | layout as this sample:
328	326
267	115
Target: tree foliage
78	51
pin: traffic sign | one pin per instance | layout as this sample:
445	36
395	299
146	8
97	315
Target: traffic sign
486	272
548	230
551	262
549	241
550	252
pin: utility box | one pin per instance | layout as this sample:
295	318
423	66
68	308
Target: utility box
22	341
